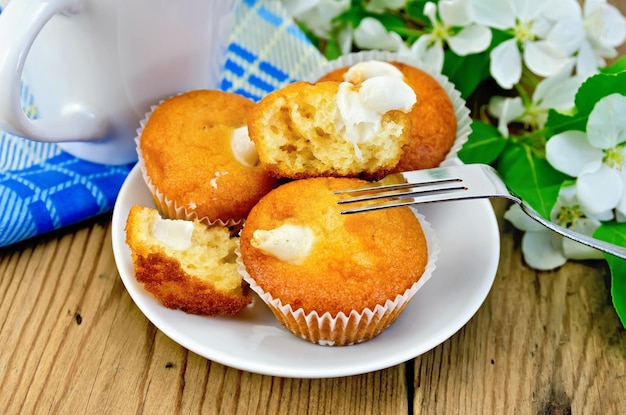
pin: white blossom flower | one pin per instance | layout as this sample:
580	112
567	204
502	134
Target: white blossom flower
597	157
530	43
472	38
544	249
371	34
567	27
557	92
317	15
605	29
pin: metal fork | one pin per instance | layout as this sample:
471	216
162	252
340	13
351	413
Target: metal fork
471	181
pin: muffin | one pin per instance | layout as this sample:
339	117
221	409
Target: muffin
333	128
197	159
433	126
186	264
329	278
440	121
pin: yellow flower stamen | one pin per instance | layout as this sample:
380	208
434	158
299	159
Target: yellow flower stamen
522	31
568	215
614	158
440	32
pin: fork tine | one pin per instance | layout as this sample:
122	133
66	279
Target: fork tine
378	206
471	181
378	186
402	194
400	191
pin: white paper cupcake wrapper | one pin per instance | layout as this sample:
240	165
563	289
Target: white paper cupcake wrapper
463	119
166	206
359	325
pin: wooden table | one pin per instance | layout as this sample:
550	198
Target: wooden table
73	342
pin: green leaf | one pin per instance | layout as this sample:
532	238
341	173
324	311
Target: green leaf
559	122
484	144
389	21
415	9
466	72
332	50
616	233
530	177
616	67
590	92
597	87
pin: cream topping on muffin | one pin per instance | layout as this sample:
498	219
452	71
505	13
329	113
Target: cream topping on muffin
289	243
361	71
243	148
175	233
361	107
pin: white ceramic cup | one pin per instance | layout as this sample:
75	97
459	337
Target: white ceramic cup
95	67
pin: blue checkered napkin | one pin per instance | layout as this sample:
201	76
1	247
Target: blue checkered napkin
267	51
42	188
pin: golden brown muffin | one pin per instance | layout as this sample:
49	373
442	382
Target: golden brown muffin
303	130
186	265
433	122
297	248
191	162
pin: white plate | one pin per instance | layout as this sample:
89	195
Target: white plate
254	340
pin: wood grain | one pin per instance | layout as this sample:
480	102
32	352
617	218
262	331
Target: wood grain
73	342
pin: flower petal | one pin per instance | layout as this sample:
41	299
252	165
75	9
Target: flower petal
621	206
543	58
455	12
494	13
506	64
605	24
542	250
606	126
557	92
431	55
562	9
528	10
522	221
600	190
471	39
430	10
507	110
587	62
571	153
576	250
371	34
568	34
345	38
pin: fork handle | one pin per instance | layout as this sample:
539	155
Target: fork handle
603	246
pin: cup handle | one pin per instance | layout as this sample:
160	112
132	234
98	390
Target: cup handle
20	23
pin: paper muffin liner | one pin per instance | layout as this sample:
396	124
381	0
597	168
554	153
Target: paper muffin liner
357	326
462	113
169	208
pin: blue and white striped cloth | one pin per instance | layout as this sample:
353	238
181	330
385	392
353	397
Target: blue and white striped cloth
42	188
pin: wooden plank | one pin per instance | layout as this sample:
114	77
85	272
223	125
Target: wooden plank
543	343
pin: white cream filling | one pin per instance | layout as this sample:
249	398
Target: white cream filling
288	243
361	71
174	233
244	148
361	107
